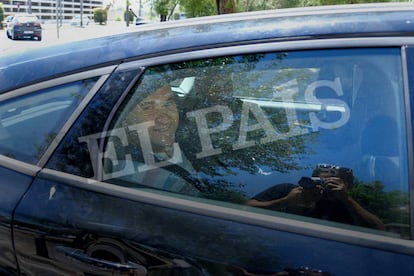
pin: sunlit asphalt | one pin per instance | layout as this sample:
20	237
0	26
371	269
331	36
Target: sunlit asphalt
52	34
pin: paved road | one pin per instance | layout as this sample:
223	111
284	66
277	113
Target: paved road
66	33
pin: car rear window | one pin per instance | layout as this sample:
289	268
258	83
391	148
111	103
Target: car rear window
25	19
29	123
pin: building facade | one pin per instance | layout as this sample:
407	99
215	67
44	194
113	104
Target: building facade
52	9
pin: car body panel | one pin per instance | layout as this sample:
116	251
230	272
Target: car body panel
13	184
264	251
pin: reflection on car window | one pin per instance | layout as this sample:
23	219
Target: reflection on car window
29	123
318	134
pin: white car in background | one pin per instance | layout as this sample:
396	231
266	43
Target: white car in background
76	20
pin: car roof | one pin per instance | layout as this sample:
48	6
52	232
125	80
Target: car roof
207	32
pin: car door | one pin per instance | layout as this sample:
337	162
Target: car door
233	161
13	184
30	119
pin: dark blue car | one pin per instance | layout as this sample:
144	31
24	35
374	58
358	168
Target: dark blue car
268	143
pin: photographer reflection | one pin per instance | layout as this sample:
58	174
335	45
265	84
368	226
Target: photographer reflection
324	196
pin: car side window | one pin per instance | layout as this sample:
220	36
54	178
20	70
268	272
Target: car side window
319	134
29	123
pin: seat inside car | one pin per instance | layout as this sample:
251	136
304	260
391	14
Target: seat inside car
379	149
368	141
373	117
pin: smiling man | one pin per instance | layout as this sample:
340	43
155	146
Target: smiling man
160	110
154	158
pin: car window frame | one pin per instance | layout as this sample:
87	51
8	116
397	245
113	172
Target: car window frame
288	47
244	214
409	106
101	73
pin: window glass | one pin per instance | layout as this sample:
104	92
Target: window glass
29	123
318	134
76	156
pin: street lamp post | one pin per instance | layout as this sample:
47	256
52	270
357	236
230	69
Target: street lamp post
81	13
29	6
58	15
127	13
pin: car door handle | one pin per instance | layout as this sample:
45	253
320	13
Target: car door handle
83	261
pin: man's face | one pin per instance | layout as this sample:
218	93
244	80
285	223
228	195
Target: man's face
159	108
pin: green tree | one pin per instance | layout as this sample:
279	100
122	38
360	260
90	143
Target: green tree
339	2
225	6
290	3
198	8
389	206
131	16
195	8
165	8
1	15
254	5
100	15
251	5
